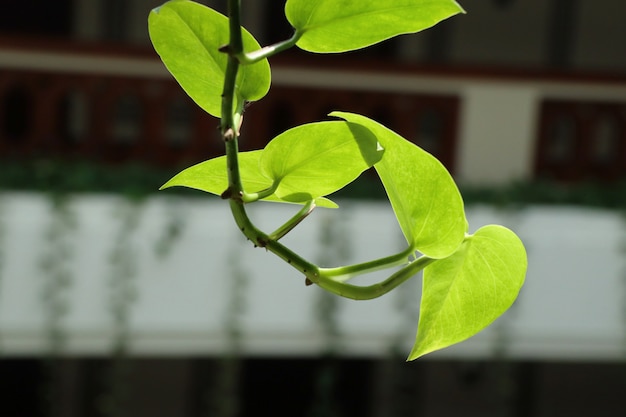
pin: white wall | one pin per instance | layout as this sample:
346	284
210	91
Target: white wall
571	306
497	136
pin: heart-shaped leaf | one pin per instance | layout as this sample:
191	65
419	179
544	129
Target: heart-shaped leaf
187	36
466	292
211	177
423	195
339	26
318	159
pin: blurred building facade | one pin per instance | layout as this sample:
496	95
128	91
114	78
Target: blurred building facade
535	87
516	90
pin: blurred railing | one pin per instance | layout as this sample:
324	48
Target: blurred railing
115	108
98	114
116	105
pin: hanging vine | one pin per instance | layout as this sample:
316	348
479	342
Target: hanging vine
510	394
55	265
397	387
173	227
122	295
224	398
335	248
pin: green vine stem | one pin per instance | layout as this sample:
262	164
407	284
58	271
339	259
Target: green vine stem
331	279
293	222
369	292
345	273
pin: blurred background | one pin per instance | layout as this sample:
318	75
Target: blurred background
116	301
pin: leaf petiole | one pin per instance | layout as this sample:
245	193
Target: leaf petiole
294	221
252	197
345	273
369	292
267	51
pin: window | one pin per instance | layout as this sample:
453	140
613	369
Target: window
581	141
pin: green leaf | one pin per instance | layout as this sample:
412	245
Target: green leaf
338	26
466	292
187	36
211	177
423	195
317	159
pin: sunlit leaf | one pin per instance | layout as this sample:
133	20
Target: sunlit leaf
339	26
466	292
187	36
211	177
318	159
424	197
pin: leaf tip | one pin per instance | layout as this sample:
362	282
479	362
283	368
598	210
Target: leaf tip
461	9
420	350
168	184
158	8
